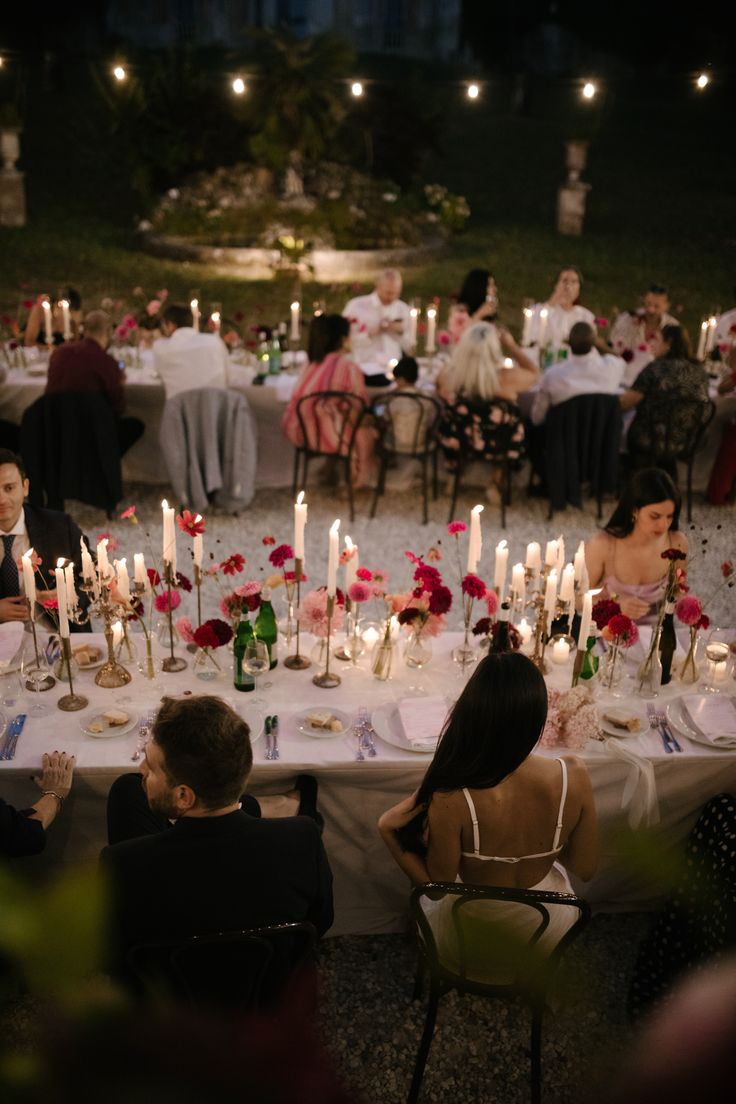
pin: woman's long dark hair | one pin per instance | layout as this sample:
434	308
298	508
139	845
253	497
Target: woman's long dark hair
326	334
645	487
475	289
679	343
578	273
495	724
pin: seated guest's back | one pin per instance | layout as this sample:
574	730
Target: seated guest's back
478	368
85	365
186	359
585	372
217	869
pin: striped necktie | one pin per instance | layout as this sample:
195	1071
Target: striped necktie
9	569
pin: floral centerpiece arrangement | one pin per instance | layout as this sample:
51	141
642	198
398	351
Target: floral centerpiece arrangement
208	637
422	611
619	631
689	611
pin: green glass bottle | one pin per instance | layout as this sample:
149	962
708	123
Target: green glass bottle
265	627
500	640
590	661
667	642
274	355
241	679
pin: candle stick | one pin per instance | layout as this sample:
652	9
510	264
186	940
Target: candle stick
550	597
534	557
413	323
294	332
560	554
88	567
216	320
47	323
475	541
525	630
196	315
560	651
333	557
542	328
579	562
585	619
550	555
198	546
123	581
103	564
518	583
352	565
502	559
711	336
29	578
71	594
702	339
66	319
117	634
527	314
139	563
567	584
300	521
61	598
169	536
430	344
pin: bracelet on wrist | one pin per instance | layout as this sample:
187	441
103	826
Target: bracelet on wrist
53	793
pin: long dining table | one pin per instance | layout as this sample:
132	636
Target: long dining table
641	792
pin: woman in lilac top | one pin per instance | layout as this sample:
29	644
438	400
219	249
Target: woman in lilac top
625	557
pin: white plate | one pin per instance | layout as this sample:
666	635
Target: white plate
679	719
97	663
612	730
323	733
109	730
254	718
387	724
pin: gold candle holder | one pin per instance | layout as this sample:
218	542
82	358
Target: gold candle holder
172	662
297	662
111	675
49	680
326	679
70	702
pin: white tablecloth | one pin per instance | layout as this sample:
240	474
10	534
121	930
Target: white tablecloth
370	892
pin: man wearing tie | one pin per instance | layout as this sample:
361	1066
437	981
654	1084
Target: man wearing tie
53	535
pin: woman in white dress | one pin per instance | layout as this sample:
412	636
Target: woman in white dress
563	311
489	812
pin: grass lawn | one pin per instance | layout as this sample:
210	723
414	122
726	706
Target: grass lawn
661	208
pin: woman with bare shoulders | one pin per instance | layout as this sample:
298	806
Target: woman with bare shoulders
489	812
625	557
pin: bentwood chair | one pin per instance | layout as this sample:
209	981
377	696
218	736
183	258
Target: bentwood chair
462	433
510	967
241	969
329	422
407	429
582	439
665	441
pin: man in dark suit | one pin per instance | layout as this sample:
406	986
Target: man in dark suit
218	868
52	534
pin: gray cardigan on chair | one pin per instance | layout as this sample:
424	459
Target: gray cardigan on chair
208	439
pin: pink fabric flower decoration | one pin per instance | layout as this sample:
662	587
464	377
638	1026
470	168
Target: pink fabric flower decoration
161	601
185	630
129	515
491	602
689	610
456	527
359	592
473	586
280	555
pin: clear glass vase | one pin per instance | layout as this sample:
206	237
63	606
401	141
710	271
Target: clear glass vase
649	675
149	665
612	670
417	650
205	665
690	671
384	659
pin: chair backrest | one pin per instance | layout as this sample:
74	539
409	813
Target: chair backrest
407	422
668	438
328	421
491	429
506	953
208	440
582	444
69	440
241	969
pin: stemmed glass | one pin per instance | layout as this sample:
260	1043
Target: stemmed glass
256	662
34	673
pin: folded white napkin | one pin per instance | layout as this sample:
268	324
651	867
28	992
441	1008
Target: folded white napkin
11	637
639	798
423	719
714	715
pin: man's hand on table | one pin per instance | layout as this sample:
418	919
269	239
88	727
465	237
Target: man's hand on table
13	609
56	782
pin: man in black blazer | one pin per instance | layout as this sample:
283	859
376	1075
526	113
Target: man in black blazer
52	535
218	868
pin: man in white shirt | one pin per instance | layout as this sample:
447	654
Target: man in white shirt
634	331
585	372
185	359
379	325
726	329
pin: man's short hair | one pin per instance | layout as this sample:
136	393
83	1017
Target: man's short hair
582	338
206	746
407	369
9	457
177	314
97	322
658	289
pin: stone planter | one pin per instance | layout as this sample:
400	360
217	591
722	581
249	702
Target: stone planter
12	185
328	265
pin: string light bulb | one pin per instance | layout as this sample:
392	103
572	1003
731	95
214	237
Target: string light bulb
2	61
119	73
702	82
357	89
589	90
473	91
238	86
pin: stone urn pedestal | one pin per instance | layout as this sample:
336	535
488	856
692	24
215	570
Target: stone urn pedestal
12	182
572	195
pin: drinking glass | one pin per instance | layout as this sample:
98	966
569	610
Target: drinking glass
256	663
720	653
34	673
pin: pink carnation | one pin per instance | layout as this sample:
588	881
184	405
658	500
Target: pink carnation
359	592
280	555
689	610
312	613
491	602
473	586
364	574
161	601
456	527
185	630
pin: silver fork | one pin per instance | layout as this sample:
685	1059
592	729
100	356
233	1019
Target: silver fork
654	723
662	720
360	757
366	729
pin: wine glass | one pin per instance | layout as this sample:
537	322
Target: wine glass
256	662
35	671
720	656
